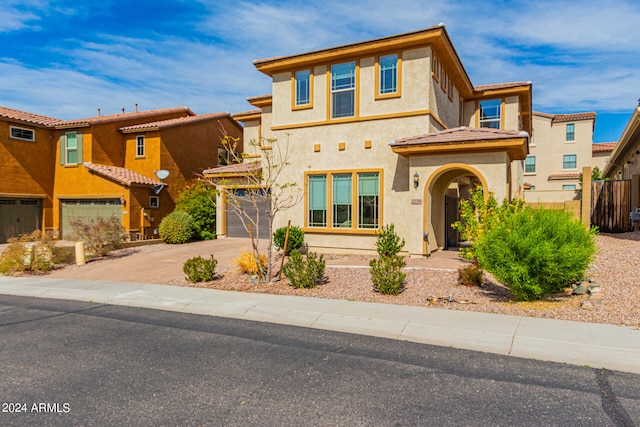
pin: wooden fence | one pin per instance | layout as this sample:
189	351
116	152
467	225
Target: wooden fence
610	205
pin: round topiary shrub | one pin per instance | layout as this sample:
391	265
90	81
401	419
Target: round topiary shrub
176	228
296	238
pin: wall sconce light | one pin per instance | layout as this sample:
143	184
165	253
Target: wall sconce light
123	201
416	180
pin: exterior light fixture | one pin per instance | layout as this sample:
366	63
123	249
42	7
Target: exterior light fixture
416	180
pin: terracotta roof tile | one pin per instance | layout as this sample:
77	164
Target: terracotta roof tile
508	85
178	121
237	168
126	116
22	116
246	113
561	176
122	175
588	115
603	147
460	134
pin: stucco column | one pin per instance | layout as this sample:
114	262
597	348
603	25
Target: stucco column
585	208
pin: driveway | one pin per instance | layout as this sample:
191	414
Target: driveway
155	263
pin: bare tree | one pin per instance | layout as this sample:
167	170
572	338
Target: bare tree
260	188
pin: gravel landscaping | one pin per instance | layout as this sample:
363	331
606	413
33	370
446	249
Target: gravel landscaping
616	270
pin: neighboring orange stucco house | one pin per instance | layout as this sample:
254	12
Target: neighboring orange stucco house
27	153
109	165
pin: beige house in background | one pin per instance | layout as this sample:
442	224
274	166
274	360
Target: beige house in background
561	145
389	130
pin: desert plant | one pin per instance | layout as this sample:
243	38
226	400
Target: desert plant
248	265
479	214
471	275
295	241
199	201
198	269
100	236
304	273
388	243
28	252
176	228
536	252
387	275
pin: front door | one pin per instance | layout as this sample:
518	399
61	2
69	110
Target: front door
451	215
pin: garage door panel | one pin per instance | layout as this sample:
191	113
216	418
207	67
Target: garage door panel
19	216
234	224
88	211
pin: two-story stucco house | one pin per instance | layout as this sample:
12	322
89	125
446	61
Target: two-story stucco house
26	171
385	131
107	164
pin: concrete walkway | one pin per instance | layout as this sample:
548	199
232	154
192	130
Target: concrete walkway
594	345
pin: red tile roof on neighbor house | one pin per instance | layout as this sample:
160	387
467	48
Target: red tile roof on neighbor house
124	116
121	175
178	121
589	115
24	117
603	147
460	134
561	176
235	169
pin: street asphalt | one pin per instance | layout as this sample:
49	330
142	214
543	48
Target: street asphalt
586	344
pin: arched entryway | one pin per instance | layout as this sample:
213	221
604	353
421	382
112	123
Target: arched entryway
442	192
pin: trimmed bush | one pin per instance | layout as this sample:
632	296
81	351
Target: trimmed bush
387	275
100	236
199	201
536	252
388	243
248	265
198	269
176	228
296	238
471	275
304	273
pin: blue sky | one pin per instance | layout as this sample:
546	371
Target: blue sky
66	58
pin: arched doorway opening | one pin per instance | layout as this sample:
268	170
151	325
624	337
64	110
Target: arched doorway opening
443	191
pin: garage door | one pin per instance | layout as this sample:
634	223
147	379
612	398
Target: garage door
234	224
88	210
19	216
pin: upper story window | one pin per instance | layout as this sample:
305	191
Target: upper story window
22	133
435	68
569	161
140	146
343	90
71	148
388	75
302	88
571	132
223	157
530	164
490	114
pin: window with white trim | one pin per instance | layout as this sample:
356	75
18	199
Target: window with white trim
569	161
570	132
154	202
343	90
302	88
388	77
71	148
353	194
140	146
530	164
22	133
568	186
490	113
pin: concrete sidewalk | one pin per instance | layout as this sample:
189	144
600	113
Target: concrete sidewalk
595	345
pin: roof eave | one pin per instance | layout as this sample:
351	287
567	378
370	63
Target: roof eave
517	148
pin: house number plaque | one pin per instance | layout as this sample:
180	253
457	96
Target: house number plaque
416	201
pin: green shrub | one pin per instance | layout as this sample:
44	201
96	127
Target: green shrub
100	236
478	216
199	201
198	269
304	273
176	228
388	243
536	252
387	275
296	238
471	275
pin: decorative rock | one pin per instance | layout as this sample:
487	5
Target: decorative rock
581	289
275	279
254	279
587	305
594	289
